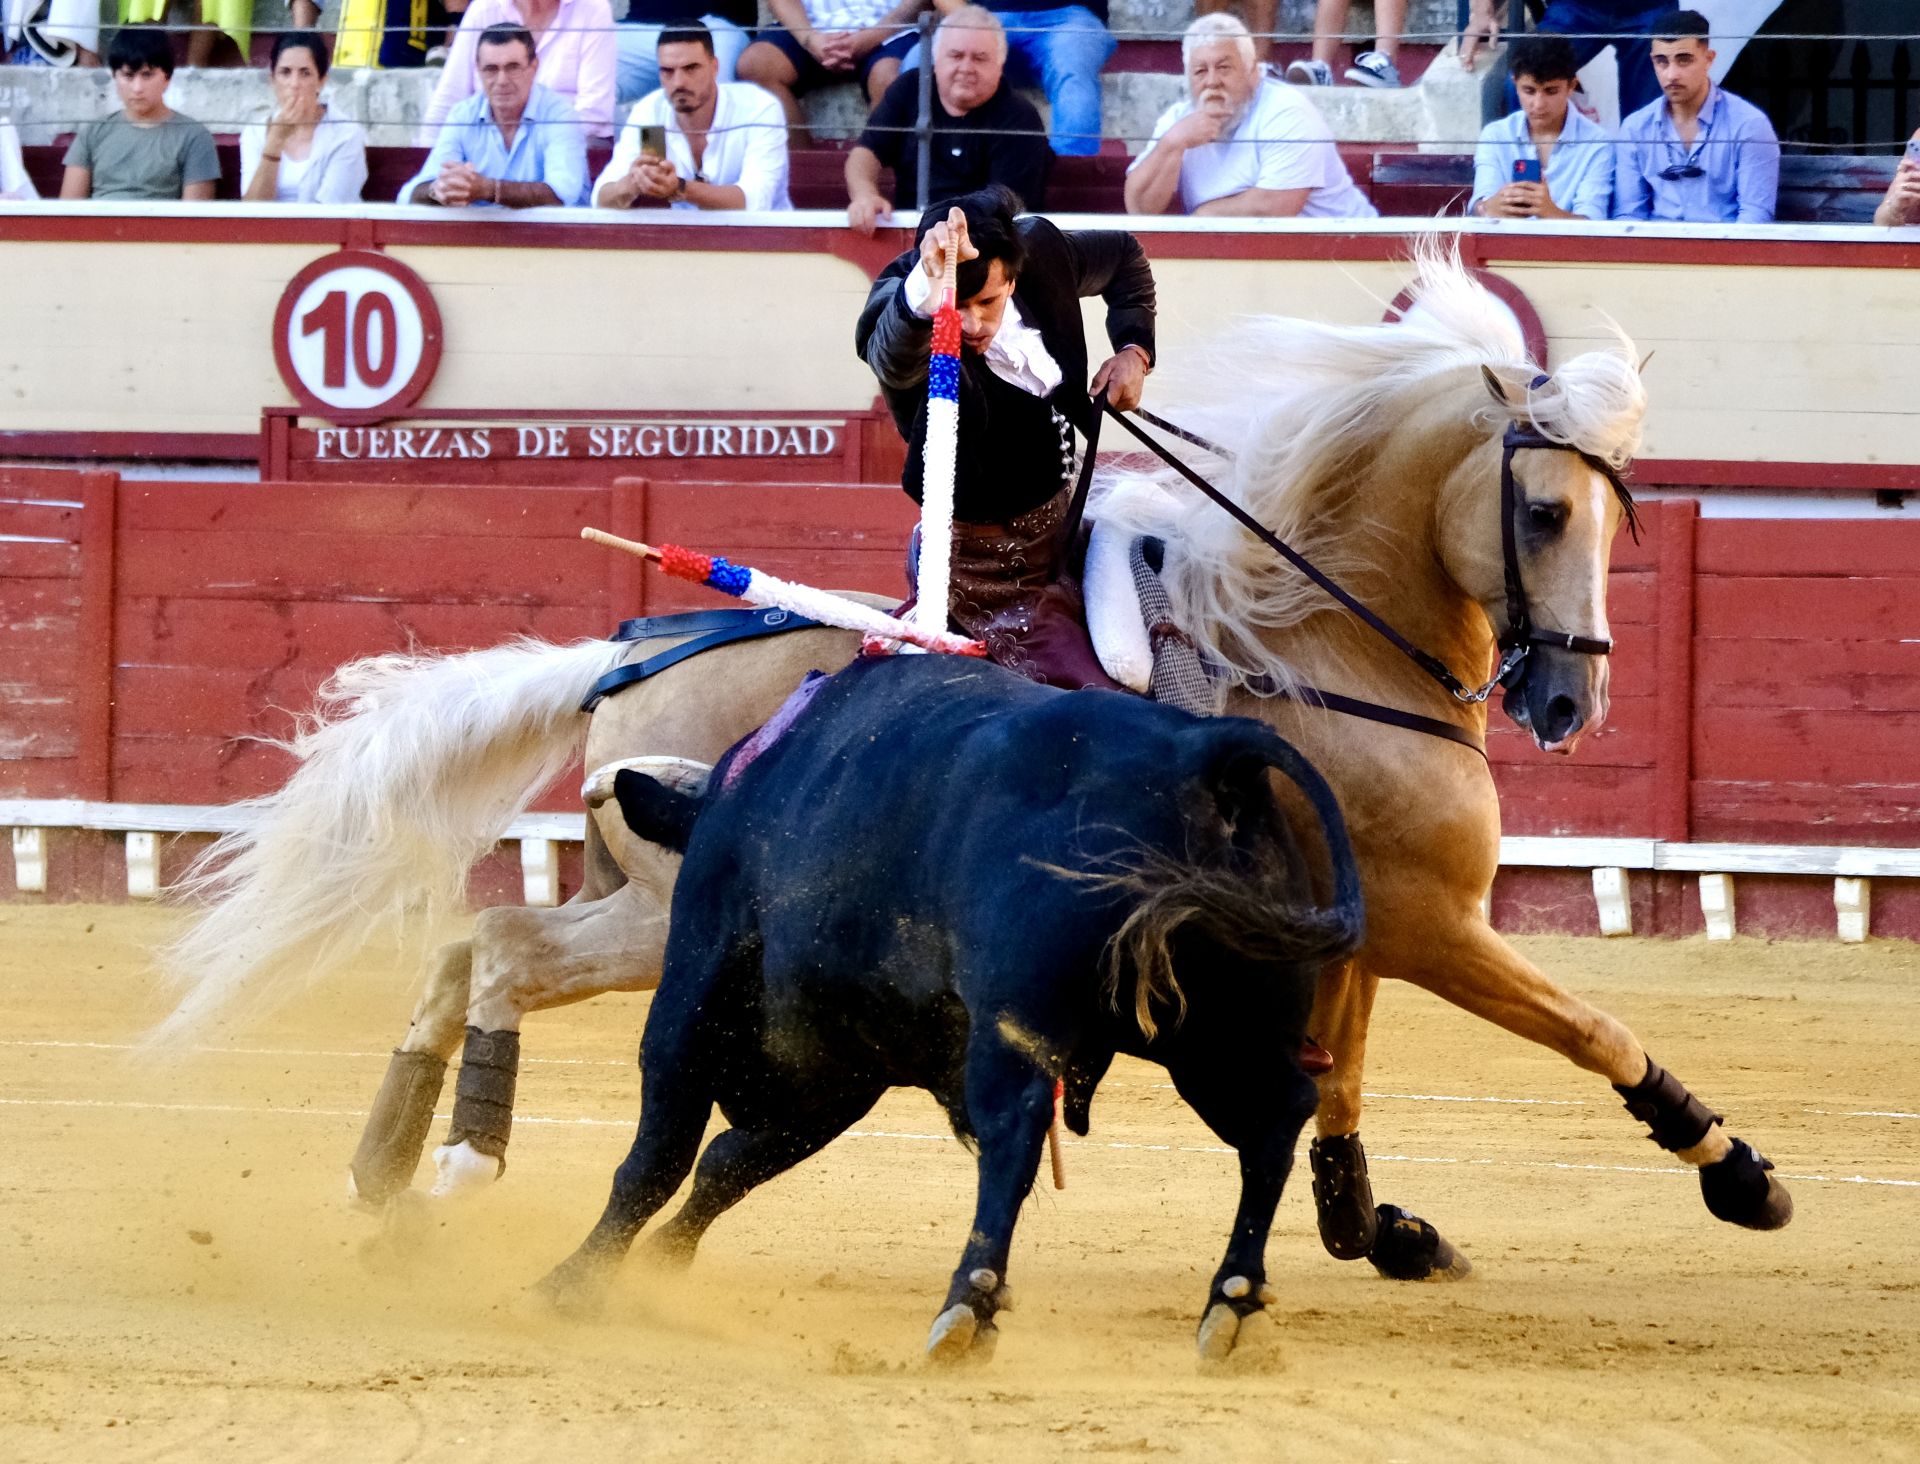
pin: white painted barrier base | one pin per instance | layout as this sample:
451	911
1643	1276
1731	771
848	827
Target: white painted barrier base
539	836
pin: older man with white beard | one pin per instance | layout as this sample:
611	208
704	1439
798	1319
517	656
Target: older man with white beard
1243	143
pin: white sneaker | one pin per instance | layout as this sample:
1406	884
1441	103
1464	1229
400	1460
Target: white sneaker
1370	68
1309	73
436	56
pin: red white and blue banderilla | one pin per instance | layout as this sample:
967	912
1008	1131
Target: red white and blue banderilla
940	452
759	588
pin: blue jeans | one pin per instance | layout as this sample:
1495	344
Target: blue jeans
1062	52
1628	35
640	61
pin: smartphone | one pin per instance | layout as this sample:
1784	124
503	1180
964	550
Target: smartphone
1913	151
1526	170
653	140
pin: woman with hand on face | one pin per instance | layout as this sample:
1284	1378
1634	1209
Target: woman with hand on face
301	154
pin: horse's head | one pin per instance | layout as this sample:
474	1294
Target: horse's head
1544	587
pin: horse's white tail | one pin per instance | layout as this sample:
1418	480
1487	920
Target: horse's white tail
411	766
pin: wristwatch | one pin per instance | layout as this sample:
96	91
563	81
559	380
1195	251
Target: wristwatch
679	191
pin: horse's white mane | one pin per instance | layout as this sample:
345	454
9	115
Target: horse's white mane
1302	406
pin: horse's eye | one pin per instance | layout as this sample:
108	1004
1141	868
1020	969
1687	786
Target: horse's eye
1547	518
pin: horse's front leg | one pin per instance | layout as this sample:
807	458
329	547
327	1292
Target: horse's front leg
1468	964
1399	1244
527	960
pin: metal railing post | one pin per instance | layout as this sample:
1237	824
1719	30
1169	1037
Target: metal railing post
923	126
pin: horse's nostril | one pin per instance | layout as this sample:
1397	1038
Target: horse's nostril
1562	717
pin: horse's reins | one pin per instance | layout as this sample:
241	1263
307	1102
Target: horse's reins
1516	642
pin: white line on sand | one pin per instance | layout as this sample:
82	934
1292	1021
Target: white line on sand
525	1118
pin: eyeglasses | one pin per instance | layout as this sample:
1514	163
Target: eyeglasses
1676	171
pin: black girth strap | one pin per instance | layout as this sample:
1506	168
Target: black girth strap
708	628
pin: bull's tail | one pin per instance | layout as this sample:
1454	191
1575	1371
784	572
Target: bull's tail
410	768
1257	910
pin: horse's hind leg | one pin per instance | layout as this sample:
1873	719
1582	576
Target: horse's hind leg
1475	969
402	1114
527	960
741	1159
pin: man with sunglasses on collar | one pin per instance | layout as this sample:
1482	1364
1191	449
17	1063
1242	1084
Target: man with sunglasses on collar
1699	154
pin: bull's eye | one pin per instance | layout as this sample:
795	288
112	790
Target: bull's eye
1546	518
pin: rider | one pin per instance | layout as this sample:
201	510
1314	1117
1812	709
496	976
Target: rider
1023	389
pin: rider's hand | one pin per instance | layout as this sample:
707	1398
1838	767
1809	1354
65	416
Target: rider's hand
1123	378
933	248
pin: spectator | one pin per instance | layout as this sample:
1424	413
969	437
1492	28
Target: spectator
513	143
1061	48
821	41
1575	155
726	142
1592	26
1378	67
983	131
1902	203
1701	155
574	40
637	37
145	150
1242	143
301	154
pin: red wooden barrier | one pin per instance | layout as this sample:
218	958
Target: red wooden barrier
1766	683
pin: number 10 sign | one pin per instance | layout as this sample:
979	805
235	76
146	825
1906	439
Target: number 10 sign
356	337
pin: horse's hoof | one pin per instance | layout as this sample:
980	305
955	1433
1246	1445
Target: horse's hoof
1739	1189
462	1168
1407	1248
664	1251
959	1335
575	1289
1343	1196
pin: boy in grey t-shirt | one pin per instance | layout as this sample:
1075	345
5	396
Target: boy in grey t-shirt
145	150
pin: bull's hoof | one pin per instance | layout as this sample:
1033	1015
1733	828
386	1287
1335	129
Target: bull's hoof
1741	1190
959	1336
1407	1248
576	1288
1237	1310
1343	1196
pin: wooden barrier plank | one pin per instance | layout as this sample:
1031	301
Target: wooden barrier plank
1565	798
35	777
195	701
1805	609
1779	810
40	518
217	769
330	566
39	723
793	521
187	631
1626	739
1845	548
93	660
1747	744
25	559
1673	714
1632	598
410	511
1834	675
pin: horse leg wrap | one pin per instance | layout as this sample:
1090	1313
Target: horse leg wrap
397	1128
1739	1190
483	1097
1343	1196
1661	1101
1409	1249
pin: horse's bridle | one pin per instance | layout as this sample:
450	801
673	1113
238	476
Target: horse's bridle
1519	638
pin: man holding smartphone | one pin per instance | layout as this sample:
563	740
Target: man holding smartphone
698	142
1902	203
1547	160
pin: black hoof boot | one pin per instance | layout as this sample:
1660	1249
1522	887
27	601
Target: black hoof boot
1343	1196
1740	1190
1409	1249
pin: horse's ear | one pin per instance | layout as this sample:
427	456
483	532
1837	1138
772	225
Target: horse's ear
1508	395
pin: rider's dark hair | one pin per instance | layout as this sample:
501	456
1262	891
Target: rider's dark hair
991	229
686	33
299	40
1543	57
1681	25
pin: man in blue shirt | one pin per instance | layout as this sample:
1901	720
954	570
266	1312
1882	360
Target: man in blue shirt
1701	154
512	144
1575	176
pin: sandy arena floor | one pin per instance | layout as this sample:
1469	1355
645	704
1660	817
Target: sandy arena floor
181	1277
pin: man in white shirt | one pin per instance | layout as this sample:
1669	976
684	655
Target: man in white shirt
724	143
1243	143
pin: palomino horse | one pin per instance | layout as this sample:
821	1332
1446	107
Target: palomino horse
1376	450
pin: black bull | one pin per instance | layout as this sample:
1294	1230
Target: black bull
947	877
